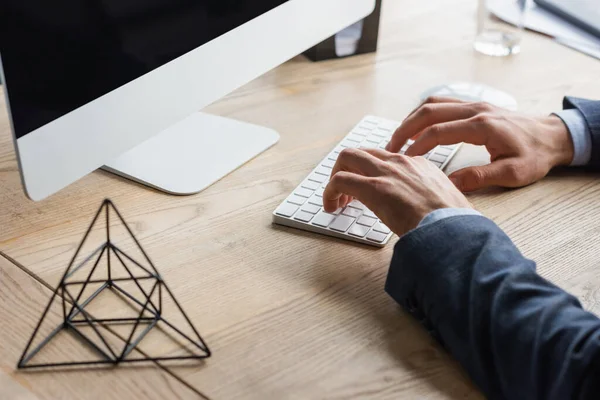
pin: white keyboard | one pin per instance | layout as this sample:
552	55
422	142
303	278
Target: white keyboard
303	209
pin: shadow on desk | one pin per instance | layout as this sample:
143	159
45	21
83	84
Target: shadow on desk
391	351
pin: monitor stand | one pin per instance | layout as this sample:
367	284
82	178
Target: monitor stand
193	154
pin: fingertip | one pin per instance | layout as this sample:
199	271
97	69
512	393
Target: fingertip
396	141
418	148
462	182
391	147
328	206
457	181
413	152
344	201
329	203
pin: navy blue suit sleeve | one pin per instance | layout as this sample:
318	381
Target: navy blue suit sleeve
591	112
517	335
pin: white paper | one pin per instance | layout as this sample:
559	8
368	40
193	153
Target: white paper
545	22
582	47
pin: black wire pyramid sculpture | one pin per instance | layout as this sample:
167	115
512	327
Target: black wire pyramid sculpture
146	300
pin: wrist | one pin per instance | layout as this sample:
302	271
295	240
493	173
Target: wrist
560	143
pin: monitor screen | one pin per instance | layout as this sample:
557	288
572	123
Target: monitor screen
59	55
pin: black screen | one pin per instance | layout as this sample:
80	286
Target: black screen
58	55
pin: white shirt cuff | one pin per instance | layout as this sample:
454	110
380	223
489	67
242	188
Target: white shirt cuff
580	134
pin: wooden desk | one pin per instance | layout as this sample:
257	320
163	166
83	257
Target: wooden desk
290	314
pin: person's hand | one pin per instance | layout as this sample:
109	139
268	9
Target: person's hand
400	190
523	149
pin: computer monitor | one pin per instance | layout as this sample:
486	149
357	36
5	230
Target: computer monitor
118	83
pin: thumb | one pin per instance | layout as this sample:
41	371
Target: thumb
498	173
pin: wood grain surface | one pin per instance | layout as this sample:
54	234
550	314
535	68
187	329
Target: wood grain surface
23	300
289	314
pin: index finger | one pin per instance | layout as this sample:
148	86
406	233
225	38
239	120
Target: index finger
357	161
436	100
348	183
428	115
446	134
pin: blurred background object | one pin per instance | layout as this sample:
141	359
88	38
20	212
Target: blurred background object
494	37
565	31
473	92
359	38
346	42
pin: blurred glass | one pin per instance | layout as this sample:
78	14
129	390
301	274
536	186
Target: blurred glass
495	37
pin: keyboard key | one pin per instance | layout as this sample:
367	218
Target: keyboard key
311	208
357	204
355	138
310	185
342	223
381	228
437	158
297	200
337	212
338	149
366	221
323	171
323	219
368	145
363	129
303	216
349	144
363	133
403	149
410	142
388	125
319	192
286	209
376	237
370	121
358	230
444	151
381	133
317	178
352	212
328	164
388	129
302	192
316	200
374	139
369	213
437	164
